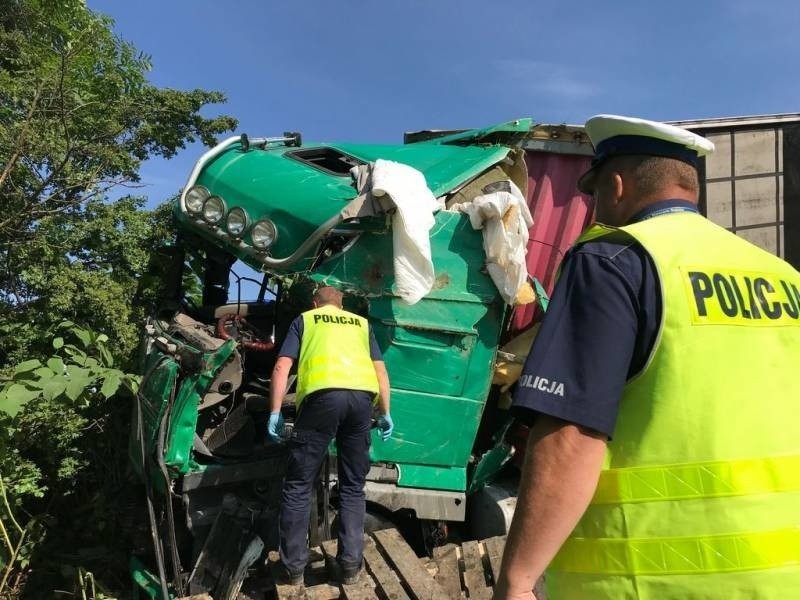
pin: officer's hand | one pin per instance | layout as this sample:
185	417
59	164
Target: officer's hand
386	426
275	426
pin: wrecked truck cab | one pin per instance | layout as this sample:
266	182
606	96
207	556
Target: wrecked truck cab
271	202
290	211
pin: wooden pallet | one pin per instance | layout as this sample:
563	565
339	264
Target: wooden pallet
394	572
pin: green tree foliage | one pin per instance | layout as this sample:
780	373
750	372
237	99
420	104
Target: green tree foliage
77	118
62	444
87	270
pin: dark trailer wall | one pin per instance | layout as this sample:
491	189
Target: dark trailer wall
752	181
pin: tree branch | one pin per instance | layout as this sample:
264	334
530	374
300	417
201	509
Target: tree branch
8	508
21	138
12	559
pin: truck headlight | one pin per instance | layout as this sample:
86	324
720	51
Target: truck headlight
195	197
213	209
236	222
264	234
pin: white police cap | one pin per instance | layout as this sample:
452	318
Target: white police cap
614	135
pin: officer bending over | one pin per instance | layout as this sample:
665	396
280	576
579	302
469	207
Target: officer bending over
340	375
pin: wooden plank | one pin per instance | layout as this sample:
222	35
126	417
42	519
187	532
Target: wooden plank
494	550
429	565
474	575
283	591
291	592
419	582
448	577
385	579
363	589
323	591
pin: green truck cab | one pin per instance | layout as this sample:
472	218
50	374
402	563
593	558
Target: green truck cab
284	208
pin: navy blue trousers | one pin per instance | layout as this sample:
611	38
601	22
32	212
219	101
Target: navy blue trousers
345	415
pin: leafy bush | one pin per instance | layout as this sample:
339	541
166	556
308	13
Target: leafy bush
63	444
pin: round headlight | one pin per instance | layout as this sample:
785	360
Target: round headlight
213	209
236	222
195	197
264	234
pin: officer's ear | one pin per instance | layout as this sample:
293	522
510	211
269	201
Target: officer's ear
617	187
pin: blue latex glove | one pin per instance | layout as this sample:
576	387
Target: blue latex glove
386	426
275	426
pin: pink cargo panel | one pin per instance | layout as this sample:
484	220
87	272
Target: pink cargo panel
560	213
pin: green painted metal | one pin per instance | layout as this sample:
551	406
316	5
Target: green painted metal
299	197
433	478
493	460
544	300
439	352
265	184
489	466
161	373
509	130
183	418
458	260
163	379
143	580
445	167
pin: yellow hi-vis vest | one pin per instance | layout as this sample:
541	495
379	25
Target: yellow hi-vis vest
700	493
334	353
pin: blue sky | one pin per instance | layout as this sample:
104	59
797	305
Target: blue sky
367	71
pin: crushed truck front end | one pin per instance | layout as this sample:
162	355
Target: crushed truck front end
285	209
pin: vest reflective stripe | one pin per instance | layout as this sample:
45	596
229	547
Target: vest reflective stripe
702	476
673	556
334	353
699	480
325	367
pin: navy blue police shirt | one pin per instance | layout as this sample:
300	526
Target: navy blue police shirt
598	332
291	345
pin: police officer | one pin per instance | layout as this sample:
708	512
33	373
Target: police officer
664	455
340	375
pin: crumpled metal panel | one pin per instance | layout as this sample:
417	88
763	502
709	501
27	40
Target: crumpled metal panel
560	213
438	352
445	167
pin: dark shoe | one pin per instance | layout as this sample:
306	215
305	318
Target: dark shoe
284	576
348	575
